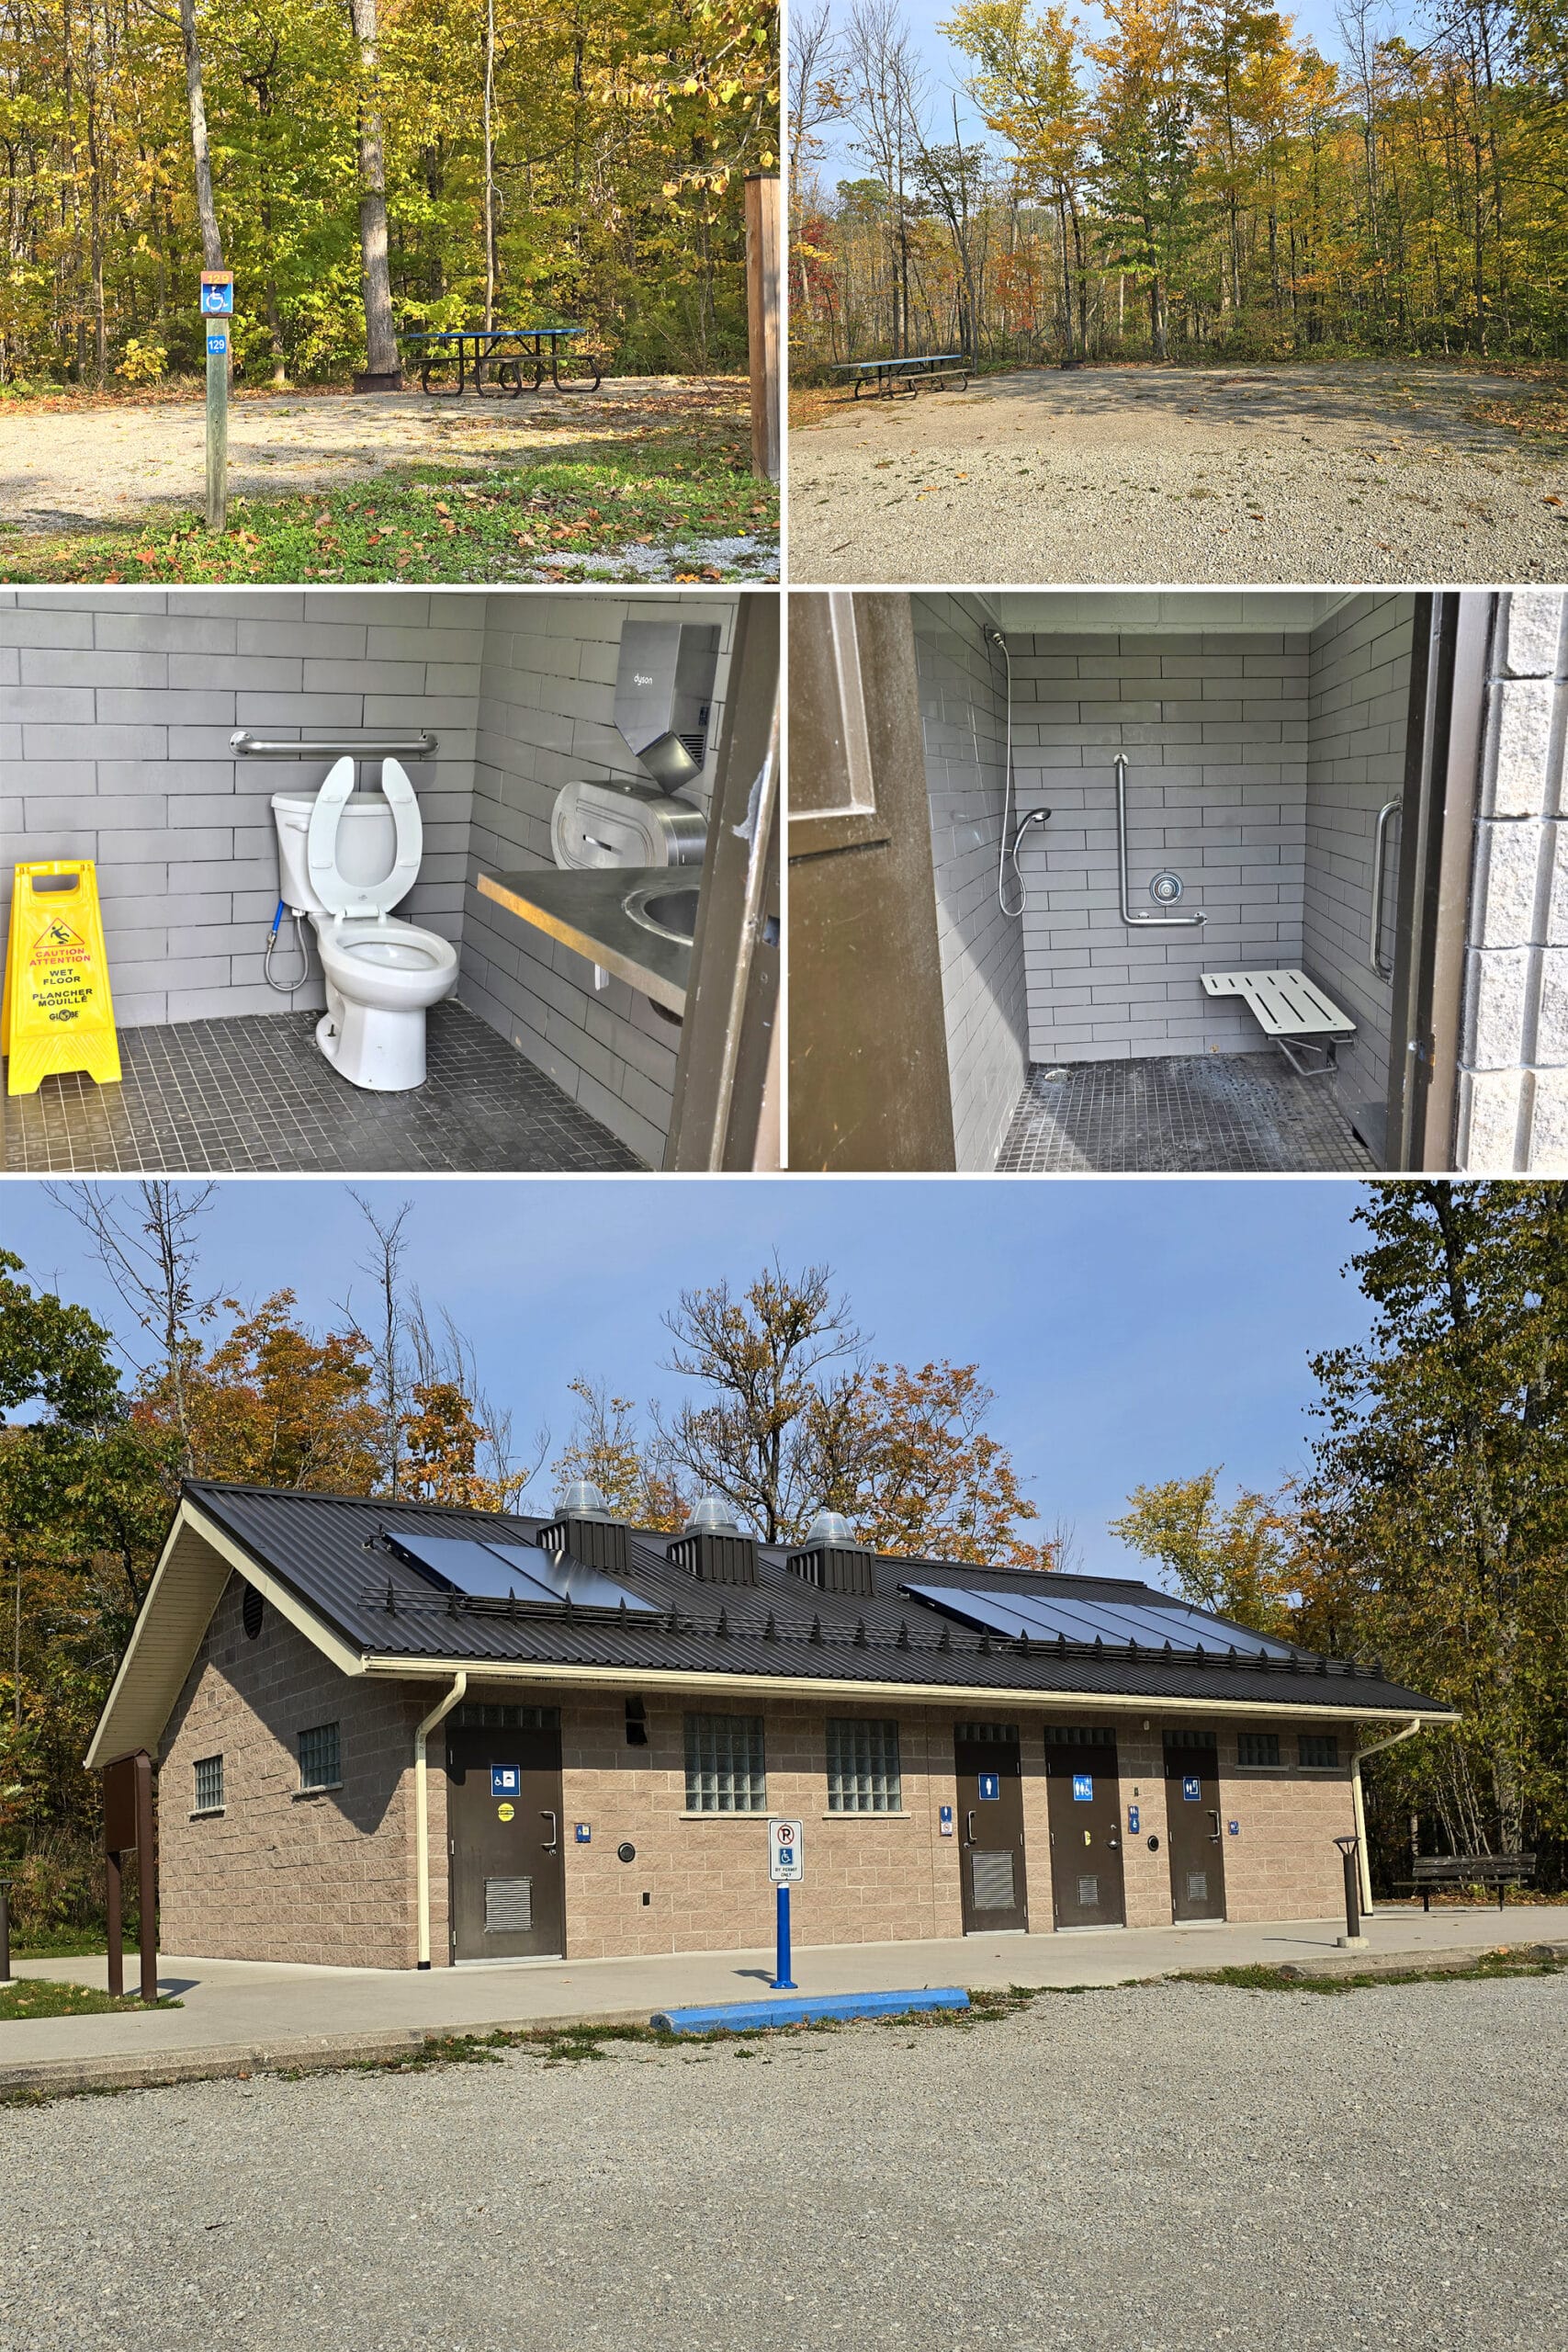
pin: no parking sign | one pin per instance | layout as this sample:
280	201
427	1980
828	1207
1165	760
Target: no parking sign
785	1864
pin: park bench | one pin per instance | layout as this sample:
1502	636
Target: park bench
1293	1011
503	351
1501	1871
889	376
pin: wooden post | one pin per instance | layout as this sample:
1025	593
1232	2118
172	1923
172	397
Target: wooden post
112	1861
217	432
146	1876
764	322
129	1821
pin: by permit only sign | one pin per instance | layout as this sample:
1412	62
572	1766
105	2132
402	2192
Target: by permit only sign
57	1015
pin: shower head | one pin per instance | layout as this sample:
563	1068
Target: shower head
1030	817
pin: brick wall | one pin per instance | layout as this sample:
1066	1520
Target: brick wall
279	1875
1513	1104
329	1878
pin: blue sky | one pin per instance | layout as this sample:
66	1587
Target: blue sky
946	66
1132	1330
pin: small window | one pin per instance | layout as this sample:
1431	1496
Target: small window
252	1610
637	1722
491	1714
863	1766
724	1764
320	1763
1258	1748
209	1770
1318	1750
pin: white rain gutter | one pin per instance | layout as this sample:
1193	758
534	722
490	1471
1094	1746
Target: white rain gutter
438	1713
1360	1812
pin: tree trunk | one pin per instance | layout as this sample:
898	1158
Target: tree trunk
490	164
206	211
380	340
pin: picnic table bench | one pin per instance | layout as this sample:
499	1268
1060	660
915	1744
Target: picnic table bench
505	350
889	376
1500	1870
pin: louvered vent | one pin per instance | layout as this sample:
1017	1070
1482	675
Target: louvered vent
1197	1886
509	1906
993	1882
1089	1895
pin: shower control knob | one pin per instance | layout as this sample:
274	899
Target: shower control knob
1165	890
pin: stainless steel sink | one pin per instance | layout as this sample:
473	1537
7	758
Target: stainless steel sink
672	913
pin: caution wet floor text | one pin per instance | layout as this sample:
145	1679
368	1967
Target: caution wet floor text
57	1015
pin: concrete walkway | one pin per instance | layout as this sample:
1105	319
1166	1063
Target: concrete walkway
260	2013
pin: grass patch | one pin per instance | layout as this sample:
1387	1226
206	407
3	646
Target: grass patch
1487	1967
40	1997
633	501
63	1943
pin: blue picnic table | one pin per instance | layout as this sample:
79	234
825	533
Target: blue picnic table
506	350
908	374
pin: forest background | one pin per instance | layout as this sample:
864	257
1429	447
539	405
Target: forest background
1180	179
1430	1531
366	164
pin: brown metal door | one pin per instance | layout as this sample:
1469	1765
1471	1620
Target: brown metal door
504	1815
1085	1807
868	1071
1195	1833
990	1828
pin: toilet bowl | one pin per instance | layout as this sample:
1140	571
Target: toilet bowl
347	859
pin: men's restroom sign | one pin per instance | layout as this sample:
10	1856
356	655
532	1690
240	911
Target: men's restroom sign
785	1861
1192	1789
505	1780
944	1820
1083	1788
990	1788
217	294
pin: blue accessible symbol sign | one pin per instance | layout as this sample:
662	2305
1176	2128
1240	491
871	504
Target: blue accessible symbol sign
990	1787
944	1820
1133	1819
504	1780
217	293
1192	1789
584	1833
1083	1788
1234	1828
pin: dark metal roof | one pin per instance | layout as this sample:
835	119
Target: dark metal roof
329	1550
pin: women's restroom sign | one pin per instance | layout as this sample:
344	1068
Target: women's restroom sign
57	1015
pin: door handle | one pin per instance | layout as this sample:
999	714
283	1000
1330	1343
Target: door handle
1389	810
1113	1844
553	1840
969	1826
1214	1833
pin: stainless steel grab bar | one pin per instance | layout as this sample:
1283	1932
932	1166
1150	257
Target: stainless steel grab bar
1380	851
332	747
1139	922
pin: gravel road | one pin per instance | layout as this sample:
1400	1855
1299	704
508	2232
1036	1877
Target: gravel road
1147	2170
66	466
1341	473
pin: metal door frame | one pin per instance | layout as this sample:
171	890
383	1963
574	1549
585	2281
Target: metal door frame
1216	1838
511	1959
1014	1749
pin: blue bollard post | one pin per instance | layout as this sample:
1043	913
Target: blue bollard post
784	1982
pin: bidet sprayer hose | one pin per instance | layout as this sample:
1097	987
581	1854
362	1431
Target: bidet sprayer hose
287	988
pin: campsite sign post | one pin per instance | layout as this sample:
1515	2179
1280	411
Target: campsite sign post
217	309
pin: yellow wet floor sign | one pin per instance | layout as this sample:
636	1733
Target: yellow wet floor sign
57	1015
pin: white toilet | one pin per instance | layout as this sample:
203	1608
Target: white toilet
347	859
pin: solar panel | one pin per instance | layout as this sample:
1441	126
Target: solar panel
506	1571
1044	1614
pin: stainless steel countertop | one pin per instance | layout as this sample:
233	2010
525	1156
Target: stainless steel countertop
584	911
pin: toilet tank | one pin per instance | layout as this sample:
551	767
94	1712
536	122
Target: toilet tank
624	825
366	844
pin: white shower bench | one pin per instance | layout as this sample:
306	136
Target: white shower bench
1293	1011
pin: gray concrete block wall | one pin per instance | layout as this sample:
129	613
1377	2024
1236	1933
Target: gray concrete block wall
1513	1095
115	710
1215	727
962	686
1358	707
545	717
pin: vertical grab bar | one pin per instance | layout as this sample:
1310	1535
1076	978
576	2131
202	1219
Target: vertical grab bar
1379	853
1138	921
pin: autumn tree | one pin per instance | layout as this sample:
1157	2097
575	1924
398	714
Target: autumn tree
926	1480
1237	1558
606	1445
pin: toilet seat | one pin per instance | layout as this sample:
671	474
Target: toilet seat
358	899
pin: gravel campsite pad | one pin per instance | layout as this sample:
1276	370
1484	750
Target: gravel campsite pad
1155	2169
72	468
1339	472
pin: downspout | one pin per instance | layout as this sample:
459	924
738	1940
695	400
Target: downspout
438	1713
1359	1809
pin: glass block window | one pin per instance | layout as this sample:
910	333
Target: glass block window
724	1764
863	1766
208	1772
319	1759
1318	1750
1258	1748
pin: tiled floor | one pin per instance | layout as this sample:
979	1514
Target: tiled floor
1244	1114
255	1095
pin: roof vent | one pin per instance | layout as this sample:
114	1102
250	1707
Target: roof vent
586	1528
831	1559
713	1548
